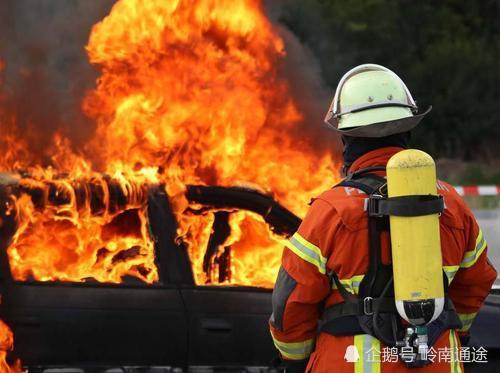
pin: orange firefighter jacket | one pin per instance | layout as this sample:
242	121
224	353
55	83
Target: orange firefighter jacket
334	237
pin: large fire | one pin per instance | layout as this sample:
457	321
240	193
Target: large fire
192	88
189	93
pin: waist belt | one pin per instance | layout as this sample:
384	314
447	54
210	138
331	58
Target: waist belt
341	318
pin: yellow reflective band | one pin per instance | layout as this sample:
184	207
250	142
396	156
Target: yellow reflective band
369	352
351	284
471	257
450	272
307	251
294	350
467	319
358	343
455	362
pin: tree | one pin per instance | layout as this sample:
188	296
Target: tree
448	53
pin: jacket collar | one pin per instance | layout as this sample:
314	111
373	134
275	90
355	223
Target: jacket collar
377	157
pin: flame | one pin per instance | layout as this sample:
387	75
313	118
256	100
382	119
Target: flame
7	344
254	248
192	87
189	93
84	244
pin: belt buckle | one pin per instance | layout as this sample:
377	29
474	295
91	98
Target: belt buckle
373	206
368	306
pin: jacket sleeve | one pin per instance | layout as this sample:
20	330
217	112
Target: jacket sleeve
302	283
475	276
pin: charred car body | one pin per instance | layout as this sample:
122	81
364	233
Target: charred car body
172	322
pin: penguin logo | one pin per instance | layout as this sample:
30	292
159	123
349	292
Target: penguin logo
351	354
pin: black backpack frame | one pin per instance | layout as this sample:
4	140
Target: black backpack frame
373	310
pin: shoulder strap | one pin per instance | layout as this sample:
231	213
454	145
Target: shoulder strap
364	180
371	184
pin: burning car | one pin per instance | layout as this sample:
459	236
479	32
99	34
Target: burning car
115	250
144	313
148	312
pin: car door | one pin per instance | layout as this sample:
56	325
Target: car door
74	325
98	324
228	326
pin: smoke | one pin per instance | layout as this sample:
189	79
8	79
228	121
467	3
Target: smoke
46	68
47	73
303	72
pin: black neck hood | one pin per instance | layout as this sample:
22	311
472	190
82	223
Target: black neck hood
355	147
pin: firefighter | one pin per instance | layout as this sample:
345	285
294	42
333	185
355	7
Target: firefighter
336	270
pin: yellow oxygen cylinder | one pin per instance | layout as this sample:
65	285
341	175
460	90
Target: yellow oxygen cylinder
415	240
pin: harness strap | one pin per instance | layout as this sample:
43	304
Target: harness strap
368	184
365	170
359	308
406	205
366	288
347	296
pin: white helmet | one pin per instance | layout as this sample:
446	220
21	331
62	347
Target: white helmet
372	101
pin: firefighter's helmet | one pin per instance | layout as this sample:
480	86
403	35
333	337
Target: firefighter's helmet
372	101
